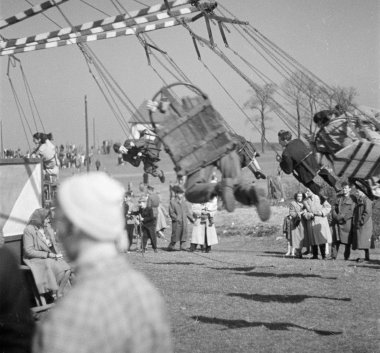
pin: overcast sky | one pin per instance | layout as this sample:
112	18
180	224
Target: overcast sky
338	40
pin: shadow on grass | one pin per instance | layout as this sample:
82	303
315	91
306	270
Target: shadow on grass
268	298
278	255
274	326
236	250
240	269
178	263
274	252
374	267
285	275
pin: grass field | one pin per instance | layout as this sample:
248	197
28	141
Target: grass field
245	296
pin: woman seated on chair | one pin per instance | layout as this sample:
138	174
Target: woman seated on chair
51	272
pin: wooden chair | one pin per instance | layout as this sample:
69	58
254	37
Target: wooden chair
38	301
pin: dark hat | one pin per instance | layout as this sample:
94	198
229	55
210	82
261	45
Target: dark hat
150	187
116	147
178	189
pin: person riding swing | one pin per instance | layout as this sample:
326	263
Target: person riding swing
298	159
144	150
197	140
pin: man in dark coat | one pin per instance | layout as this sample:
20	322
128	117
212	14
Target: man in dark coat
148	223
298	159
343	215
179	213
363	225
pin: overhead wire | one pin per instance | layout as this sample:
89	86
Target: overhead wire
262	76
251	31
103	72
31	100
21	112
225	58
46	16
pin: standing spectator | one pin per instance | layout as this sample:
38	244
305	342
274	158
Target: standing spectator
153	199
47	151
343	214
179	213
161	225
204	232
287	232
16	322
130	218
317	224
97	164
111	307
363	225
148	224
297	225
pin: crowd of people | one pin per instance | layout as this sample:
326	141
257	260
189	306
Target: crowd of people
316	224
104	305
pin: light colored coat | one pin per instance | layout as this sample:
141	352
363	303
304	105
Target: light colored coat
298	231
48	273
201	228
317	224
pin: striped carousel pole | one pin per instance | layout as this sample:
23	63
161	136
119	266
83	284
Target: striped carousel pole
94	37
110	23
30	12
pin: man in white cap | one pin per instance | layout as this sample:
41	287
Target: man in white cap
111	307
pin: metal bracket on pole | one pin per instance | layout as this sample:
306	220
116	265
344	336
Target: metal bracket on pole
196	48
220	24
209	31
147	52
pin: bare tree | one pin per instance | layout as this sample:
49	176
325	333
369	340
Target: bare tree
262	100
312	92
303	92
337	95
294	87
344	96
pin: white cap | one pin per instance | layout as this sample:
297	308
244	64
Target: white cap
93	202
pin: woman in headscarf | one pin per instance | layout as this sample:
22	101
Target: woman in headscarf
46	150
51	272
297	226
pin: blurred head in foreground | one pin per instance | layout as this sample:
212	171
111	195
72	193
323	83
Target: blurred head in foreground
89	212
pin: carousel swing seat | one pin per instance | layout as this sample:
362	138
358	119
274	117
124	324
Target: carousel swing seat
359	160
194	136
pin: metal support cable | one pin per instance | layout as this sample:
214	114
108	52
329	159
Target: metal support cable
21	113
31	100
97	63
116	111
250	120
43	14
94	7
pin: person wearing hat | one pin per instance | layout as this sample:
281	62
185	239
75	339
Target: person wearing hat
179	213
111	307
148	223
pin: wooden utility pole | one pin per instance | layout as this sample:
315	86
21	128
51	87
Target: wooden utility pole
1	137
87	159
93	134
